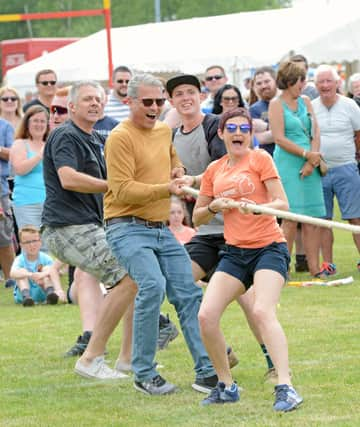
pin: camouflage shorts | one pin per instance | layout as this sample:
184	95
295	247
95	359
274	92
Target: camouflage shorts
85	247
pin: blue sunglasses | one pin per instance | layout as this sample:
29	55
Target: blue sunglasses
244	128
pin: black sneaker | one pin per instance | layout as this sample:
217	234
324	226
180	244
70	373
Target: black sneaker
28	301
167	332
205	385
301	264
80	346
51	296
156	386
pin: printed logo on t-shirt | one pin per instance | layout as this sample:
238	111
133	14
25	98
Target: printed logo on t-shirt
242	186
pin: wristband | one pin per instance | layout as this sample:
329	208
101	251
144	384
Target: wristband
211	211
304	154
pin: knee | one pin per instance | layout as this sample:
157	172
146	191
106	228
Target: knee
261	314
207	320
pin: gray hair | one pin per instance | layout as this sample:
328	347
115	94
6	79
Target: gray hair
353	78
325	68
142	80
75	88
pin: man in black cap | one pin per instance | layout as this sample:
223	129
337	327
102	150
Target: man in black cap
197	144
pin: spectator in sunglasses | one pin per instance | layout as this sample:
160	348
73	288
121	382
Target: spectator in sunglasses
10	106
116	106
46	84
227	98
255	255
215	78
59	110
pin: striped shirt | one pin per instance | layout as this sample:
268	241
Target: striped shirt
116	109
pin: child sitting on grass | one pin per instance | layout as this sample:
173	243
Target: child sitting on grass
37	280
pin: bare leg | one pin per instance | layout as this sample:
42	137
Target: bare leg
23	284
126	342
7	257
221	290
289	228
311	240
326	243
267	287
90	298
113	308
356	237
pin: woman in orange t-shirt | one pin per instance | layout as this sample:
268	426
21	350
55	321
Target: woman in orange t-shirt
255	255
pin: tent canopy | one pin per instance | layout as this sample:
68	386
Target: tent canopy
236	41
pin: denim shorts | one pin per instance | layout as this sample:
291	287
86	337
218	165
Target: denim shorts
243	263
6	224
344	183
85	246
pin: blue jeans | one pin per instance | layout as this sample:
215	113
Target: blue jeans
158	264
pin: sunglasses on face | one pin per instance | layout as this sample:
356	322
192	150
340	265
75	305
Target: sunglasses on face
230	98
9	98
216	77
148	102
29	242
48	83
121	81
59	110
232	127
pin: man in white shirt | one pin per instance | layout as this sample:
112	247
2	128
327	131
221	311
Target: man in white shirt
116	106
339	122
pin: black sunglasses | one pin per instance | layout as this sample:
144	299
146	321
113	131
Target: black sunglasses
121	81
48	83
60	110
216	77
148	102
9	98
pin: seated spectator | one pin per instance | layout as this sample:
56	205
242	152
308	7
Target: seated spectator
179	223
227	98
36	279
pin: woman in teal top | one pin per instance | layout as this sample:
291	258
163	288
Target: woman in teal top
26	159
297	156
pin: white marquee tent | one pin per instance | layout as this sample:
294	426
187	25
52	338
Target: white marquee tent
237	41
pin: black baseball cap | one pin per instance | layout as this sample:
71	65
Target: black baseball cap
182	79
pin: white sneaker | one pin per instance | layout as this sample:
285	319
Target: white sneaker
122	367
99	370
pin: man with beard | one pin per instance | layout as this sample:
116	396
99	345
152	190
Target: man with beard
116	106
265	88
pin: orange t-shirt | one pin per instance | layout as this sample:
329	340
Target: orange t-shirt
185	235
244	180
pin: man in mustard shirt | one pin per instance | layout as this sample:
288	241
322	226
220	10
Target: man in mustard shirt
143	171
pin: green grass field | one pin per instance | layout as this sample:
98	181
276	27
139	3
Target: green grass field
38	386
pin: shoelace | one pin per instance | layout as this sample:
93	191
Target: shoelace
281	393
158	381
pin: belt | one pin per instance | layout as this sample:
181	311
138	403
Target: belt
135	220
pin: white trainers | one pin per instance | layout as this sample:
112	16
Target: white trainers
122	367
99	370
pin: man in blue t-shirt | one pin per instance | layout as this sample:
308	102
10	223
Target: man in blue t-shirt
37	280
266	90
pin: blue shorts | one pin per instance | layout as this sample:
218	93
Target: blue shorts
36	292
344	183
243	263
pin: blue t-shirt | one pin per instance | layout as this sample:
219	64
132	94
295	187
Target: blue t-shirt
259	110
105	125
6	140
30	188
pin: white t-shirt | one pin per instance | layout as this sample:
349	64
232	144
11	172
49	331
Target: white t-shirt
337	126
